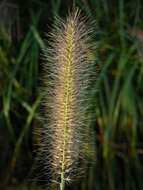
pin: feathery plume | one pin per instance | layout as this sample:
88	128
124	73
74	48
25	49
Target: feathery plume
68	69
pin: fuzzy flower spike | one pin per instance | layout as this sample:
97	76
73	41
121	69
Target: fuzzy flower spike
67	79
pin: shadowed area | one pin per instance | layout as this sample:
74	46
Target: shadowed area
115	116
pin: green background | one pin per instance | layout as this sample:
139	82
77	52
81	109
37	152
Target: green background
117	106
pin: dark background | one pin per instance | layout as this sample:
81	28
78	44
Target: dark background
118	103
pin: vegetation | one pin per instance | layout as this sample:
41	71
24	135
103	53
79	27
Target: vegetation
117	104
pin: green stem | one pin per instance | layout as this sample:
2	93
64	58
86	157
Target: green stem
62	184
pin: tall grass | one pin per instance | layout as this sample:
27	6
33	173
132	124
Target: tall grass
119	114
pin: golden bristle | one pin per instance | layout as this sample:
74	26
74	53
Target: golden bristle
67	79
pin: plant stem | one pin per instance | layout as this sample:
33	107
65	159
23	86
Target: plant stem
68	90
62	184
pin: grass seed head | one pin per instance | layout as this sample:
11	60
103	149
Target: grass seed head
67	79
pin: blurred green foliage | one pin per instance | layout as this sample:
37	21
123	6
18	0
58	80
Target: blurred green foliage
119	102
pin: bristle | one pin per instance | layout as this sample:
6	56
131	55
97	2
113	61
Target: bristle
67	79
